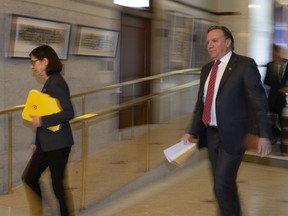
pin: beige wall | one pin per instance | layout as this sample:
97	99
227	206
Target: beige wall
81	72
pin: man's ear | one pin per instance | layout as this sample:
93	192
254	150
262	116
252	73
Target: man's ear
228	42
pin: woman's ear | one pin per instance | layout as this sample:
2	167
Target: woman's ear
45	61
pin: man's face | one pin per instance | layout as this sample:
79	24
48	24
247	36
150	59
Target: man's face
276	55
217	45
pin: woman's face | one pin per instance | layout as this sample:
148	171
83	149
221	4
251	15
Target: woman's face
39	66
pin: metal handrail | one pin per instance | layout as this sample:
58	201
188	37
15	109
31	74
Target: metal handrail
132	102
12	109
130	82
84	118
113	86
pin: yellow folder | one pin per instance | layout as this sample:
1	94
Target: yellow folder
40	104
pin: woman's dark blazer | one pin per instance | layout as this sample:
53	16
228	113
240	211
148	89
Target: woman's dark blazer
241	105
48	140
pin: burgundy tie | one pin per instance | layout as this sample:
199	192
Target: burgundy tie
209	94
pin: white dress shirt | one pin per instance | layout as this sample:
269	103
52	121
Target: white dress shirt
221	69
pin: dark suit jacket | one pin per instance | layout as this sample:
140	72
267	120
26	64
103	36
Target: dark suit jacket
48	140
276	99
241	105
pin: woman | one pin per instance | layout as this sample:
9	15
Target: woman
51	149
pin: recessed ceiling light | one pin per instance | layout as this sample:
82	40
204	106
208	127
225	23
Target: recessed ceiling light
254	6
132	3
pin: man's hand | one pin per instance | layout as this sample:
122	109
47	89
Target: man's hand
187	138
264	146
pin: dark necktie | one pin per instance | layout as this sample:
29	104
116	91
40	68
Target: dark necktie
206	116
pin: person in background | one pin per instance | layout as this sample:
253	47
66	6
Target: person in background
226	113
276	78
51	149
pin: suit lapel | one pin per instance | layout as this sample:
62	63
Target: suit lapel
229	68
45	88
207	72
284	78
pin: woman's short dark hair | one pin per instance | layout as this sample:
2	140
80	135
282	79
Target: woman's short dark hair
45	51
226	31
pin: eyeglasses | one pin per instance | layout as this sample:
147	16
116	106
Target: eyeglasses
33	62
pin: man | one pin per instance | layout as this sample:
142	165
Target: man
239	107
276	78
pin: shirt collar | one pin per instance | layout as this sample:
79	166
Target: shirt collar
225	59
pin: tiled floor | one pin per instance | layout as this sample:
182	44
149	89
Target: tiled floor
263	191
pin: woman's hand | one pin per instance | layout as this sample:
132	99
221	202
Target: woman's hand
33	148
36	121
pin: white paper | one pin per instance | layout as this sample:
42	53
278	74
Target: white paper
175	151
